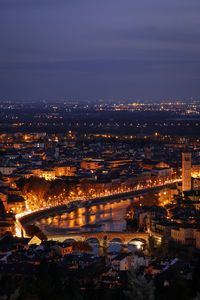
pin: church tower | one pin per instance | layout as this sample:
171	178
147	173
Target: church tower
186	171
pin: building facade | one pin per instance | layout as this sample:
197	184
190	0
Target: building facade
186	171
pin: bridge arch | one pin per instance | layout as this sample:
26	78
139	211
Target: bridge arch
94	241
138	243
70	240
115	241
137	239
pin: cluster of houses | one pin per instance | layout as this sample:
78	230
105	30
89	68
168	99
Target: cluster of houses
22	256
101	161
181	224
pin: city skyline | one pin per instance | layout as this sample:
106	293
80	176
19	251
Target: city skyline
99	149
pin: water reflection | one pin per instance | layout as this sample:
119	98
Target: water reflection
114	246
102	217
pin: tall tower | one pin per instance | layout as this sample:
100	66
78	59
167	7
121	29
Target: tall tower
186	171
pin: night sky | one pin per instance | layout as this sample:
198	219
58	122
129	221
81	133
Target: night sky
91	49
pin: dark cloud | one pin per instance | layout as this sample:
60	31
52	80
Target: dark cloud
100	65
93	48
12	4
156	34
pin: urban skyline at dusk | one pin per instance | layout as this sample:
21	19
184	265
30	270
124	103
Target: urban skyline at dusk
99	150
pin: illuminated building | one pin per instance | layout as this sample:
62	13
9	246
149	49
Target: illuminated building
52	173
64	170
186	171
91	164
195	171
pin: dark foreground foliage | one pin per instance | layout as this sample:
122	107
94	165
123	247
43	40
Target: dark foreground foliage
50	282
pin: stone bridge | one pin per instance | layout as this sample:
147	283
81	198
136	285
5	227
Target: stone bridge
104	238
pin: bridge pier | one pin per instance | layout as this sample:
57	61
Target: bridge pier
124	245
103	244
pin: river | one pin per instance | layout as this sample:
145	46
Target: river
101	217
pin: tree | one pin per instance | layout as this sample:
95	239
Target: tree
2	208
139	288
196	278
20	183
16	294
81	246
37	187
177	287
197	297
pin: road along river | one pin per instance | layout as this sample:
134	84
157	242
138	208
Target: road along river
103	214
